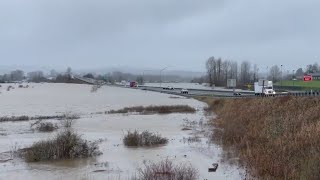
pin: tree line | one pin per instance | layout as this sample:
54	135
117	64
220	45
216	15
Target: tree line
35	76
19	75
218	71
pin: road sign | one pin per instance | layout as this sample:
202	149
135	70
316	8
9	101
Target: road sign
231	83
307	78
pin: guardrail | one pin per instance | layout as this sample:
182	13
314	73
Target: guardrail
306	94
86	80
298	94
295	88
317	93
249	95
204	90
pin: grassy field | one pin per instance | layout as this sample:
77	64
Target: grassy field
300	83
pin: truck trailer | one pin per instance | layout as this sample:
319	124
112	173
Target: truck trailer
264	87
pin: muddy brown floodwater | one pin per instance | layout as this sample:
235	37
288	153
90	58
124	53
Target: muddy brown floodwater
117	161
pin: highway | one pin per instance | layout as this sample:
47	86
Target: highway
223	93
198	92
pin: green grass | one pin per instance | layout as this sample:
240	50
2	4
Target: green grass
300	83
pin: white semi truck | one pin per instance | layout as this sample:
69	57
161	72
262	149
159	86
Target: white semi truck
264	87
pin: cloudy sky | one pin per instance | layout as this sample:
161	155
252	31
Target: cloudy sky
181	34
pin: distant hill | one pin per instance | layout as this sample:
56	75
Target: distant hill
136	71
150	71
8	69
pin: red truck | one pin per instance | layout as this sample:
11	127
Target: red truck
133	84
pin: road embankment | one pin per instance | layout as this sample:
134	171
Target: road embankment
274	138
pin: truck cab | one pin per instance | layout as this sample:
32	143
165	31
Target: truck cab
133	84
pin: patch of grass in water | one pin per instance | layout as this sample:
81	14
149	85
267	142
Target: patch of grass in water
155	109
145	138
166	170
46	127
66	145
27	118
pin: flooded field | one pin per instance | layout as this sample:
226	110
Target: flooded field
117	161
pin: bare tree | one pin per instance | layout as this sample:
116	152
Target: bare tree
69	71
299	72
219	71
255	72
309	68
16	75
245	72
53	73
234	70
210	66
226	70
36	76
315	67
275	73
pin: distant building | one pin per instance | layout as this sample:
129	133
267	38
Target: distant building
315	76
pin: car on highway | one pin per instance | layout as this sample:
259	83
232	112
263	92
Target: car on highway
168	88
237	94
184	91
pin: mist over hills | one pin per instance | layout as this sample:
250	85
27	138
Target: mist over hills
103	70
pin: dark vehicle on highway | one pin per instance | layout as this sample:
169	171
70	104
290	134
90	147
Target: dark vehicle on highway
168	88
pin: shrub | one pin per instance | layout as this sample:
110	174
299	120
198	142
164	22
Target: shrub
69	115
166	170
27	118
14	118
155	109
68	119
192	139
67	123
144	138
46	127
66	145
186	129
47	117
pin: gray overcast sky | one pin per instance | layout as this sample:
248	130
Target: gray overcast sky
153	34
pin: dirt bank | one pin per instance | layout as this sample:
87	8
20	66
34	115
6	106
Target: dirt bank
275	138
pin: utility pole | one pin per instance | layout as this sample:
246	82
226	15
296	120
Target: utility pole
281	75
293	77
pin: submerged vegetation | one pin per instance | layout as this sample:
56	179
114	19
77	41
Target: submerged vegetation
167	170
144	138
14	118
46	127
155	109
275	138
27	118
66	145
